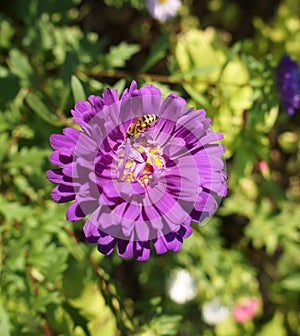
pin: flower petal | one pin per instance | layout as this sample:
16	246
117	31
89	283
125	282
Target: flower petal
74	212
63	193
142	250
125	248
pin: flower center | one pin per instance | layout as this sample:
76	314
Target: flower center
162	1
140	161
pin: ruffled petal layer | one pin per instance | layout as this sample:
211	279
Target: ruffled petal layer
188	177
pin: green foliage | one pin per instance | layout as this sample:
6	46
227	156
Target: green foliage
120	3
157	52
77	89
54	53
118	55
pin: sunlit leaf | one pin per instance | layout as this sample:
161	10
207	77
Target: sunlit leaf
4	322
275	327
120	54
77	89
292	282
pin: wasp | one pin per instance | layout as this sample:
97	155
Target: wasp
137	127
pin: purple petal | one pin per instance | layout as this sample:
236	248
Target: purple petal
57	176
83	113
96	102
63	193
107	249
60	158
167	206
206	203
172	107
91	232
125	248
85	145
74	212
210	137
154	217
151	99
142	230
190	127
168	242
110	96
127	93
160	245
185	230
58	141
142	251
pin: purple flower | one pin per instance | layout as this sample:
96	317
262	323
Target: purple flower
142	169
288	84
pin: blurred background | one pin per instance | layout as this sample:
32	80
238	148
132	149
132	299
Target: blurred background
237	275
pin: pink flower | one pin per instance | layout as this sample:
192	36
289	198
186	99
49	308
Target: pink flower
264	169
262	165
245	310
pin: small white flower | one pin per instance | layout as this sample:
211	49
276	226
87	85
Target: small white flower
182	287
162	10
213	312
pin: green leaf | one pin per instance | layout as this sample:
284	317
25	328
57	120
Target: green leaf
20	66
197	96
243	162
119	55
157	52
4	140
288	141
41	109
292	282
165	325
4	322
70	244
270	118
77	317
77	89
26	157
195	51
49	260
7	31
14	210
236	48
275	327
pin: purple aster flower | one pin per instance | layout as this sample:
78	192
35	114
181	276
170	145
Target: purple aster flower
288	84
141	169
163	10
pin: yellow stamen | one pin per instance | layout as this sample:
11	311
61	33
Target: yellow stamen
146	159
